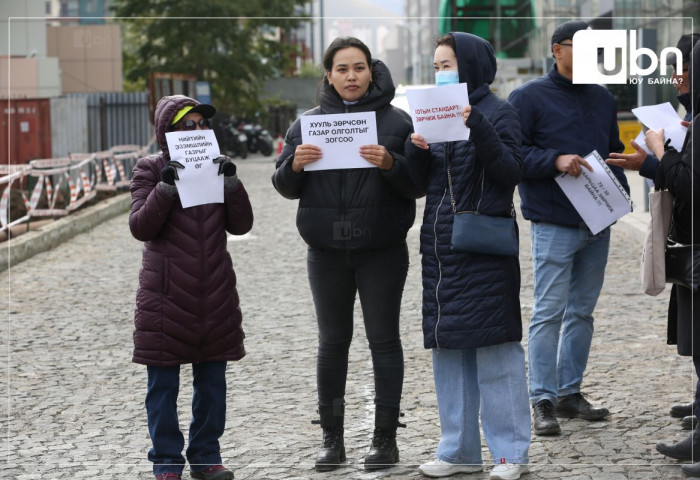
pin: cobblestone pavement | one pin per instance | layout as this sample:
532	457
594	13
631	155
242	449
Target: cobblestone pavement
74	406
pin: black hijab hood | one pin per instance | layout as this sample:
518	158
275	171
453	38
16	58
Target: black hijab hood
476	62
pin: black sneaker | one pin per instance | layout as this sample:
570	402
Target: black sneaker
215	472
576	406
545	421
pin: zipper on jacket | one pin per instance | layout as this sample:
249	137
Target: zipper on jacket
437	257
448	153
342	230
203	263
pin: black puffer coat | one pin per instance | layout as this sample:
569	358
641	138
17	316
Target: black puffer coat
470	300
354	209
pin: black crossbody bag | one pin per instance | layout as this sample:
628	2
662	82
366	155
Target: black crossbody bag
474	232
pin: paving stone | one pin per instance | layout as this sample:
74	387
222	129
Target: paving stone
76	402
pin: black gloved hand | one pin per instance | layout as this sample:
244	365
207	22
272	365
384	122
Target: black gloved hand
169	172
226	166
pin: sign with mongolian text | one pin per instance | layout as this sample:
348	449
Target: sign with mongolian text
340	137
597	196
199	181
437	112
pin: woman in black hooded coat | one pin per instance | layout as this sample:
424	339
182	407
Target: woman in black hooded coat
471	307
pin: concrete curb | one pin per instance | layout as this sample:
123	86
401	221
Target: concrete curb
55	233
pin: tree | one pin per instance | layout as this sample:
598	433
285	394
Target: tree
230	43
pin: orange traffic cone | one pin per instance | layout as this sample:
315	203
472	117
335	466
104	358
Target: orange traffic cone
280	142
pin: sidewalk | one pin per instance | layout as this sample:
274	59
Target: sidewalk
75	401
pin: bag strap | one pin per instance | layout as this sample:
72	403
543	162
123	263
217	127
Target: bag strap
452	196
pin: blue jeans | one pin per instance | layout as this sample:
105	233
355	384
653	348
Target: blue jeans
569	268
208	417
493	377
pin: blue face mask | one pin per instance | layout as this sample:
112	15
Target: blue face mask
446	77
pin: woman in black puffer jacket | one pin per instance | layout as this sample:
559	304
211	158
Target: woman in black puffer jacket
471	307
355	223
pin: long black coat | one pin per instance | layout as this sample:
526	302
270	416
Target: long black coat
470	300
680	173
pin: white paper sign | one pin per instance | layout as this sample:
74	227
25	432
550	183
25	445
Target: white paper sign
639	140
199	181
340	137
597	196
663	116
437	112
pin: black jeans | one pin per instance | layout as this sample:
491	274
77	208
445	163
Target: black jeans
379	277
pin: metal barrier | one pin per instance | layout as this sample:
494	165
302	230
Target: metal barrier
55	187
11	174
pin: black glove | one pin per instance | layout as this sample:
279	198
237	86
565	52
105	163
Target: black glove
474	118
226	166
169	172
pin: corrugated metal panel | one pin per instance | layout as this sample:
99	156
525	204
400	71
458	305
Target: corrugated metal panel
69	126
117	118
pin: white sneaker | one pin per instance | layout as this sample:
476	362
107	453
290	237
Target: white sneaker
508	471
441	468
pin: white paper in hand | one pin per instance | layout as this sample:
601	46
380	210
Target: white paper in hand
437	112
663	116
639	140
340	136
199	182
597	196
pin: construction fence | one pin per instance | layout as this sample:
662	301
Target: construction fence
55	187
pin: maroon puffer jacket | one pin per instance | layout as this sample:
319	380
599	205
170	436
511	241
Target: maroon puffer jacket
187	307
